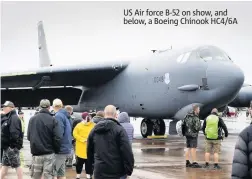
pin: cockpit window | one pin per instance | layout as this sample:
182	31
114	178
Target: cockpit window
183	57
205	54
213	54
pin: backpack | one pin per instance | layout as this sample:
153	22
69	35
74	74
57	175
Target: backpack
182	127
212	130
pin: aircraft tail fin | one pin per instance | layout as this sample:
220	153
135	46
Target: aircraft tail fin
44	60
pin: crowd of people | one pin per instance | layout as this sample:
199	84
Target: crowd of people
102	142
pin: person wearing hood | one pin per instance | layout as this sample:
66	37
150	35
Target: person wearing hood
108	148
98	117
241	166
61	115
212	129
124	120
80	133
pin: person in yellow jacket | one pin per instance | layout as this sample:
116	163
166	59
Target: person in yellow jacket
80	133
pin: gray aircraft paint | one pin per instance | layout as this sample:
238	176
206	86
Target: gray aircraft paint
128	92
243	98
44	60
143	88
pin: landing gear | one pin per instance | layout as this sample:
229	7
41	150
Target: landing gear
159	127
148	125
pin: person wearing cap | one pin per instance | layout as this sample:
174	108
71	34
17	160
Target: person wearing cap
44	136
11	140
61	115
80	133
109	149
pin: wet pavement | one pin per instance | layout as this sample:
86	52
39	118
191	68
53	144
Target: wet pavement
163	158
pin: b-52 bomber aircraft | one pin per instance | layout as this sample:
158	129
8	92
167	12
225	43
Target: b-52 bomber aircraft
161	86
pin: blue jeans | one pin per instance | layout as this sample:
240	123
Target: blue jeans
123	177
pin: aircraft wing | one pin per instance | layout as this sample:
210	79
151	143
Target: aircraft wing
23	88
88	76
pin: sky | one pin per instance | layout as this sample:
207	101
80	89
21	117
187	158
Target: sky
79	32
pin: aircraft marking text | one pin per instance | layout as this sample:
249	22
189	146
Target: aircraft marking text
158	79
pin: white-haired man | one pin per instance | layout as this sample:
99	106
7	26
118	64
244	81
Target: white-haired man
61	115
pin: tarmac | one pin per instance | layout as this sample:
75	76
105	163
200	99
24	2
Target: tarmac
162	159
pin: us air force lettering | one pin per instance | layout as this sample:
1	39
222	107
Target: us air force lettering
178	17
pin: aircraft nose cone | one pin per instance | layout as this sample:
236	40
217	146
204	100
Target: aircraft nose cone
227	75
237	77
226	78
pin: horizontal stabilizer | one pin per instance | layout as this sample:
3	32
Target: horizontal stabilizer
191	87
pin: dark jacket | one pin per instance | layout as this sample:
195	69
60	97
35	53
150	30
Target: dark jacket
65	131
70	118
3	118
191	125
242	160
110	151
11	131
43	133
97	119
76	120
221	125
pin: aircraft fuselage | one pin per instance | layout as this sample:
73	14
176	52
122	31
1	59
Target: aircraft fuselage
150	87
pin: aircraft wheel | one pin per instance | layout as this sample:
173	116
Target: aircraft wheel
159	128
146	128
